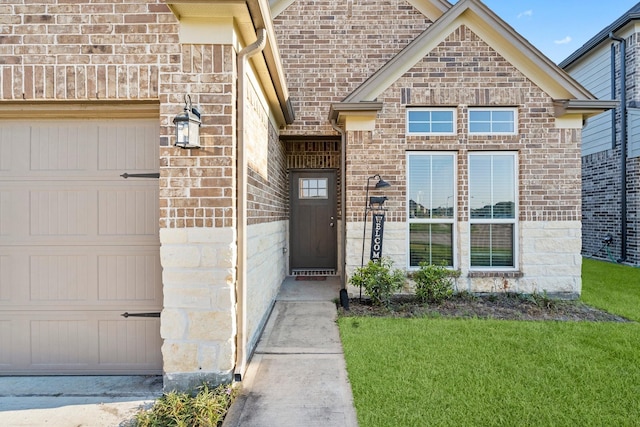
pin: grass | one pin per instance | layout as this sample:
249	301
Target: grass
614	288
454	372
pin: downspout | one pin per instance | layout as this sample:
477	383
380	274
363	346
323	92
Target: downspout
343	199
242	171
623	143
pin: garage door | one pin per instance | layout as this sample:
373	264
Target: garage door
79	247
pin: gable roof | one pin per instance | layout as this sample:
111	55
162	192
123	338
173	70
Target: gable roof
628	16
501	37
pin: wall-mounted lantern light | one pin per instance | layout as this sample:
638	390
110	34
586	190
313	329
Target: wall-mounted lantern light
188	126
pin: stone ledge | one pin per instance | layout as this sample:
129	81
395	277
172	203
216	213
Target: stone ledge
505	274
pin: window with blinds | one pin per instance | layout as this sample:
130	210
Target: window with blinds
493	209
431	207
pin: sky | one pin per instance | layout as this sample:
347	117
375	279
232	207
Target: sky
558	27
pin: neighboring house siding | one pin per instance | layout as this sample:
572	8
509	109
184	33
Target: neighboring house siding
601	157
464	71
329	48
595	76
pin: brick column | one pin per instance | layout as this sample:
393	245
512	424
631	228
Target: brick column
198	233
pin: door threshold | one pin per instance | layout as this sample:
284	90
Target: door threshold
314	272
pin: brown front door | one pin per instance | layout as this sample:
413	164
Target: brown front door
313	222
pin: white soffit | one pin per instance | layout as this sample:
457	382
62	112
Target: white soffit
207	31
199	22
570	121
354	122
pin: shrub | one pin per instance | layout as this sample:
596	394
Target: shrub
434	283
379	281
206	409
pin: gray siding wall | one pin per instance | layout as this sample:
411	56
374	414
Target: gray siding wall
601	180
594	73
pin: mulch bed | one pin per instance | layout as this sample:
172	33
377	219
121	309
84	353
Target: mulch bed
496	306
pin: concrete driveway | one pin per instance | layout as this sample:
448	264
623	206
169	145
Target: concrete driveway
82	401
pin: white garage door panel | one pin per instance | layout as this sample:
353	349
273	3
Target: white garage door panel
94	277
79	343
79	246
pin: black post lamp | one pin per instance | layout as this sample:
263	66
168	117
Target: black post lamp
367	207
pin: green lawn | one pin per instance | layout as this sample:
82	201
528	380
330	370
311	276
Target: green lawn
615	288
451	372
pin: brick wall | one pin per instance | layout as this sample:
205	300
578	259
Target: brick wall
268	198
601	203
464	71
84	50
601	206
197	187
328	48
129	51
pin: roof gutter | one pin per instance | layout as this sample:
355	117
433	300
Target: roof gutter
601	37
585	107
261	13
623	140
242	352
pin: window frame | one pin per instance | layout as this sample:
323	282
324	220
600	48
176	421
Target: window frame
514	221
301	189
514	110
453	220
454	121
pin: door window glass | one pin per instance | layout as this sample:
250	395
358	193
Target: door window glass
313	188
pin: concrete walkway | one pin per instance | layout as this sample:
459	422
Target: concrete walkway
73	401
297	376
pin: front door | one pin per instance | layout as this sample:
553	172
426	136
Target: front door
313	222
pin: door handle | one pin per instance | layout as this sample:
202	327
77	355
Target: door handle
330	224
140	175
127	315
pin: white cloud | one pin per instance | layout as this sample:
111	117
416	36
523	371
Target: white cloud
525	13
563	41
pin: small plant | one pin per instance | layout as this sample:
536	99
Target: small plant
379	280
544	300
206	409
434	283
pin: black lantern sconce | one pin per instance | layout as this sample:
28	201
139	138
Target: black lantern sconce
188	126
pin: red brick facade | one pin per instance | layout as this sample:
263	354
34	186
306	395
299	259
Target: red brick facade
221	270
328	48
461	72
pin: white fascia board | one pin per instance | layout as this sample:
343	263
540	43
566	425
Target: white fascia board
208	31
